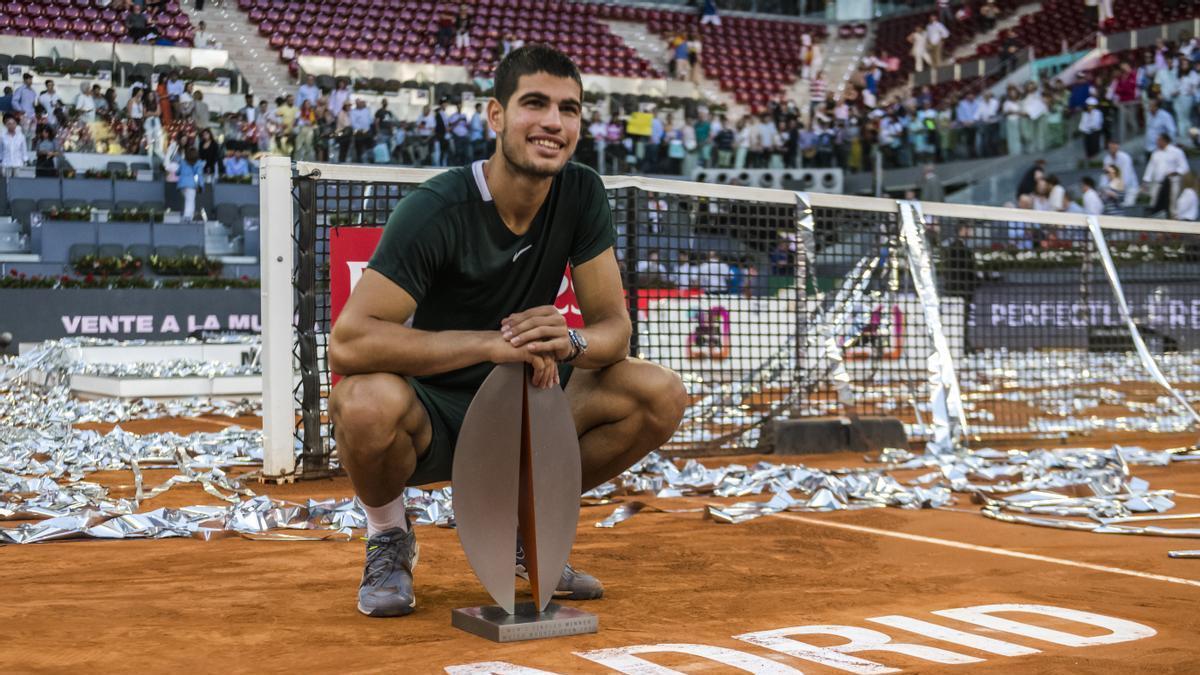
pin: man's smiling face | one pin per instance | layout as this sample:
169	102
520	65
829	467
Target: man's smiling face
538	126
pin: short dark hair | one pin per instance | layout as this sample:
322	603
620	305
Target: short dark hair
530	60
1087	180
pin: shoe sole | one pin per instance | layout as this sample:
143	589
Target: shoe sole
380	613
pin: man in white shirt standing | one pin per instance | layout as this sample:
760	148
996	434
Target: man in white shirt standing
1124	163
1167	163
204	39
1034	124
1091	125
48	100
13	150
1093	205
936	34
713	276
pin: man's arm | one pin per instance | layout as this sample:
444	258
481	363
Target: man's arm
370	337
542	330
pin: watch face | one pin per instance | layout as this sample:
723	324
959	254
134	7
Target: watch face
582	340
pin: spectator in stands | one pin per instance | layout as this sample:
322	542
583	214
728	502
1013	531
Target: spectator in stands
1187	205
186	102
13	151
110	103
509	43
136	25
1167	163
308	91
1022	232
49	99
135	110
810	57
1113	191
209	151
1030	180
306	122
919	40
344	132
1014	112
478	126
236	164
679	56
85	105
708	13
1035	122
202	38
1158	123
1124	88
988	14
6	106
1123	164
683	270
444	37
936	34
694	49
24	98
713	275
191	181
201	116
1185	94
1093	202
462	27
459	126
339	97
1091	125
650	270
249	112
966	114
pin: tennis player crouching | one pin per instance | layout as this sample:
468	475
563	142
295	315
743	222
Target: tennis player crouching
475	257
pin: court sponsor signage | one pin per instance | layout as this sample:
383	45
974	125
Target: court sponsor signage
998	630
351	248
1064	315
37	314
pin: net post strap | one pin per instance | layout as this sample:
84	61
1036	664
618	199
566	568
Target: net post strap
945	398
1135	333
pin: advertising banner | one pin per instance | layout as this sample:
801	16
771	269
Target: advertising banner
1039	316
35	314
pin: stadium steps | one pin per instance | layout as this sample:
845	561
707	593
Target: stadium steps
266	75
967	49
654	49
841	58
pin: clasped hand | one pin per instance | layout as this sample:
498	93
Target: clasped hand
537	336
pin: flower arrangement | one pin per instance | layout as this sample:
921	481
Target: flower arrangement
236	180
15	279
191	266
97	173
1060	255
73	214
125	265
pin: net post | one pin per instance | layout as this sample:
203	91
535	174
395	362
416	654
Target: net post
279	421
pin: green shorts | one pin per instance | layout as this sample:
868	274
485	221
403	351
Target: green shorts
446	409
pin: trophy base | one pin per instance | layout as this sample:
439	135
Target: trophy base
497	625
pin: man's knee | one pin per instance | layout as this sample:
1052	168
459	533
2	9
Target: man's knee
369	411
663	398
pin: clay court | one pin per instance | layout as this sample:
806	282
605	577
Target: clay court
236	605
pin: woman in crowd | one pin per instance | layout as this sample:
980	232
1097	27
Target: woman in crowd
306	124
209	151
47	150
1112	191
191	179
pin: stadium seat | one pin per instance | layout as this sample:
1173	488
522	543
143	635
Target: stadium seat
139	251
191	251
110	250
166	251
78	251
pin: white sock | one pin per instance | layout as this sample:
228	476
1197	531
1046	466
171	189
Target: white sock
386	517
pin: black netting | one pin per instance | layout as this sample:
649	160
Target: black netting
765	318
1046	351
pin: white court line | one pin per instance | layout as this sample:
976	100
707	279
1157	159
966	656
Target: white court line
987	549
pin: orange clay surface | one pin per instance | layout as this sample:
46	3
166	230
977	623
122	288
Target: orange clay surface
235	605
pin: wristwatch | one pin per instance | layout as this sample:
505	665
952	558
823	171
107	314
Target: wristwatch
579	345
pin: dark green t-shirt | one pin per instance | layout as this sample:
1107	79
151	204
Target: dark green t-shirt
446	245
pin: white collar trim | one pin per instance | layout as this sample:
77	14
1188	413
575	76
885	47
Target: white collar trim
480	181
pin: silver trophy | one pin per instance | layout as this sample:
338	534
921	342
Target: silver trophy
516	470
